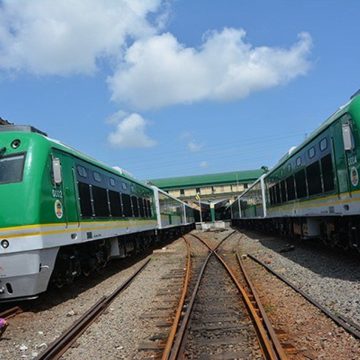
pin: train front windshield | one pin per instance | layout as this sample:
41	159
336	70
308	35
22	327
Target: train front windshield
11	168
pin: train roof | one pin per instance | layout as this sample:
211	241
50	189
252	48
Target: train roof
355	99
98	163
66	148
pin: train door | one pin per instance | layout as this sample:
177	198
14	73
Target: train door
351	163
339	157
66	188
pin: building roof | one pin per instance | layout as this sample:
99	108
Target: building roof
232	177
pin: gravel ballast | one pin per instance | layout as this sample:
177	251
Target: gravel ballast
331	277
120	327
317	272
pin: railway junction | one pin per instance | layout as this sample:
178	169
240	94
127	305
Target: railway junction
206	295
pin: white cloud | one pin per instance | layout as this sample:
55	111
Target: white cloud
194	146
130	132
115	118
69	36
159	71
191	144
204	164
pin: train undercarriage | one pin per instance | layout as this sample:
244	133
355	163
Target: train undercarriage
336	231
83	259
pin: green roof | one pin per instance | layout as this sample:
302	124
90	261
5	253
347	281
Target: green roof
232	177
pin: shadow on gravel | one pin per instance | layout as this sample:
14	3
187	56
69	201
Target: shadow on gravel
55	296
313	255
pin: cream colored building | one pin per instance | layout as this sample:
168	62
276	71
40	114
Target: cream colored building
210	187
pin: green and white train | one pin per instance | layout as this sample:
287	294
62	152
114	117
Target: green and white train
63	213
314	190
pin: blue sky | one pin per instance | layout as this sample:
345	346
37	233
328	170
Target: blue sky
171	88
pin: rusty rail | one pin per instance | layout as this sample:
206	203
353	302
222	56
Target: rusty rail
9	313
175	339
268	340
278	348
58	347
181	331
175	325
347	324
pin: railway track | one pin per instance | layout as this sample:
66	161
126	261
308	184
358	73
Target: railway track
11	312
345	323
57	348
216	325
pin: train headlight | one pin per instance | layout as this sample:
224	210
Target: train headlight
15	143
5	244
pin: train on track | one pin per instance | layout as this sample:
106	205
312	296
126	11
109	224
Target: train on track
64	214
314	190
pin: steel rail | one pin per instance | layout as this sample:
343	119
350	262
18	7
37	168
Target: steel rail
181	331
347	324
175	325
268	340
173	346
9	313
59	346
278	348
218	245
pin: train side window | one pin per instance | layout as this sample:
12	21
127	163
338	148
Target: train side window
141	207
283	191
124	186
146	210
311	152
127	205
271	196
101	206
328	173
277	193
290	188
323	144
300	182
314	178
81	171
298	161
112	182
115	203
289	167
85	200
97	176
135	206
149	208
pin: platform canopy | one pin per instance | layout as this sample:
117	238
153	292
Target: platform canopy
244	176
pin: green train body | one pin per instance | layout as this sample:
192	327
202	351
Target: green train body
63	213
314	190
